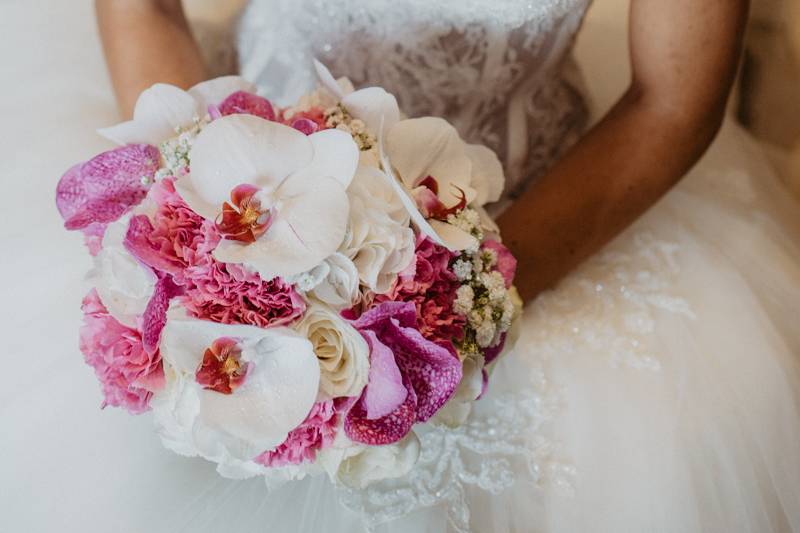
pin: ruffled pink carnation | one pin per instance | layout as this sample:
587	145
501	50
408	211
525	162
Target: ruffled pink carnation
126	372
317	431
180	235
431	285
230	294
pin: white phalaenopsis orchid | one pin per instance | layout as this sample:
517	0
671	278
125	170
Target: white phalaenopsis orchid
415	150
164	110
277	387
289	189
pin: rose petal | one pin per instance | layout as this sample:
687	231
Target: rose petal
308	227
159	111
213	92
106	186
385	391
242	102
243	149
386	430
155	315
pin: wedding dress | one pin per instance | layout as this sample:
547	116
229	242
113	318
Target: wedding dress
657	388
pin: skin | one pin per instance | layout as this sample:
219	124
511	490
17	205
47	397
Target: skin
684	56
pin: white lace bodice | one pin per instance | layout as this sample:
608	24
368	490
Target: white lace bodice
500	71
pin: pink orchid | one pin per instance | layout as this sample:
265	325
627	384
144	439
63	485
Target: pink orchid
410	377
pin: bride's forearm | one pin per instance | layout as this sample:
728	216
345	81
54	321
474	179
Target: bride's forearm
145	42
617	171
684	55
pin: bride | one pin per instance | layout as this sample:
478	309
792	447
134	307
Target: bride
656	384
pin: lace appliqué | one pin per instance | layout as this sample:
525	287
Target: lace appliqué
493	69
502	443
609	304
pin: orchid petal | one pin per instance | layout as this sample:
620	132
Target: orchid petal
327	80
385	391
244	149
309	225
417	218
487	174
277	393
374	106
159	112
430	146
385	430
106	186
335	156
155	315
213	92
454	238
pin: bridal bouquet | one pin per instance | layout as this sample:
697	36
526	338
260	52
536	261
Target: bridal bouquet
291	291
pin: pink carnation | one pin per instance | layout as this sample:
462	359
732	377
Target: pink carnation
230	294
317	431
431	285
179	234
127	373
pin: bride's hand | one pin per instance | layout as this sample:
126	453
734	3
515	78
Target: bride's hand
145	42
684	55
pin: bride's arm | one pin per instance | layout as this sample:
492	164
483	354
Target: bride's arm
684	55
147	41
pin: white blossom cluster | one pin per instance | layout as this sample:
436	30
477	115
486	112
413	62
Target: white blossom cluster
175	150
483	299
338	117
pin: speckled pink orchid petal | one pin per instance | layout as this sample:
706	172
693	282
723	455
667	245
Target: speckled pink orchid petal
386	430
385	391
506	262
431	370
490	354
137	243
155	314
242	102
106	186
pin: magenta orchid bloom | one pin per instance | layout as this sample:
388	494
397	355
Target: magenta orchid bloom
410	377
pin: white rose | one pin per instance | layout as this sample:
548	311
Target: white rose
357	466
335	282
342	352
124	285
457	409
378	240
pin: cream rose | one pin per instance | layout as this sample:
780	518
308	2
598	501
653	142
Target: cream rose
342	352
378	240
457	409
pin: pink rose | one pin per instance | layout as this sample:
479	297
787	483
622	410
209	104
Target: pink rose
127	373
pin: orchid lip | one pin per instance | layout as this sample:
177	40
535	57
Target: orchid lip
244	219
435	208
222	369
